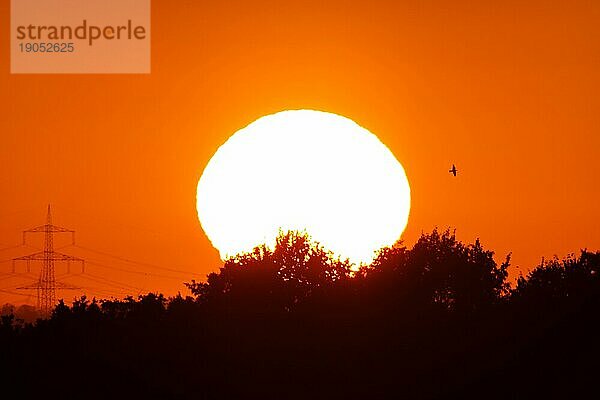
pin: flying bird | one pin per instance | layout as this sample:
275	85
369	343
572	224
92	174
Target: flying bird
453	170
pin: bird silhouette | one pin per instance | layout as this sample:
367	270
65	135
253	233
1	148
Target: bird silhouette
453	170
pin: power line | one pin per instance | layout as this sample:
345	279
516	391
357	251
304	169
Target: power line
11	247
12	276
14	286
137	262
126	288
112	293
15	293
114	283
110	282
93	262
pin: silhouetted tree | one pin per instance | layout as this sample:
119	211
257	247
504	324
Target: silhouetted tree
429	322
441	270
275	280
572	277
457	276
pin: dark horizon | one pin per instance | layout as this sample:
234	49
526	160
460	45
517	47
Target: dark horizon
436	321
104	287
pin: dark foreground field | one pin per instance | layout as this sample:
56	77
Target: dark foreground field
437	321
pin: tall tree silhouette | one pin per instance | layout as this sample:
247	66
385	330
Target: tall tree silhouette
272	279
457	276
441	270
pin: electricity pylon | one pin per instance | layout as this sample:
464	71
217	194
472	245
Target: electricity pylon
46	285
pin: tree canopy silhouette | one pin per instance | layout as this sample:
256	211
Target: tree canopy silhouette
273	279
437	320
441	270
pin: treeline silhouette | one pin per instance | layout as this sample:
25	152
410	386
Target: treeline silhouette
436	321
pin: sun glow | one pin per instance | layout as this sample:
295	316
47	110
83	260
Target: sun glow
308	171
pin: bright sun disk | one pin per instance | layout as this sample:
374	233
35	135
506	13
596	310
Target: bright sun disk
309	171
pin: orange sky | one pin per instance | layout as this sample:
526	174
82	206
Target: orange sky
508	92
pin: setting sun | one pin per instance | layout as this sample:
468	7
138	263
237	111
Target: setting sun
309	171
300	199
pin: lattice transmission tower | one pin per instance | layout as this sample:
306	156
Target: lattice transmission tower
47	285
